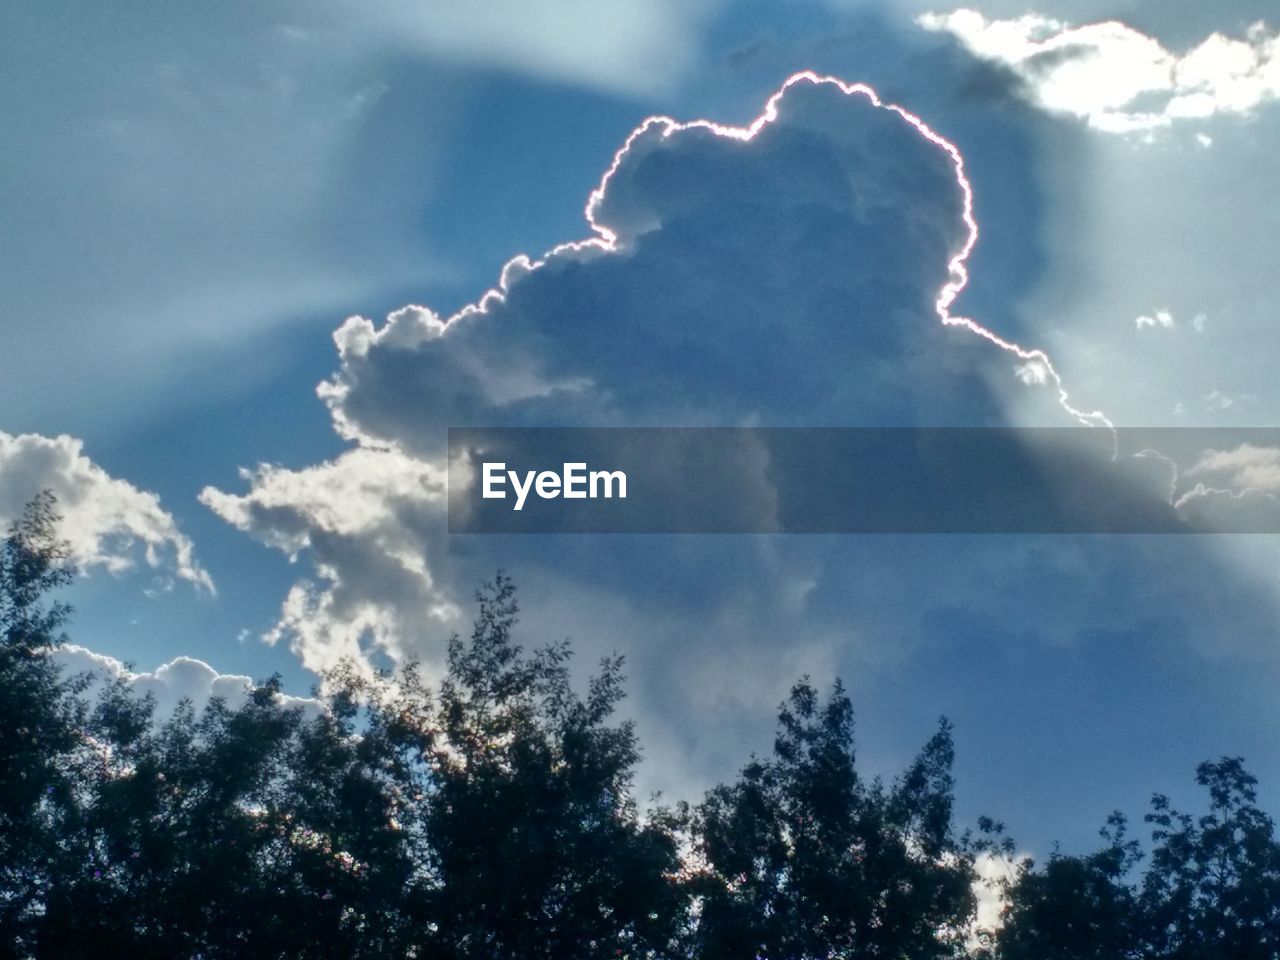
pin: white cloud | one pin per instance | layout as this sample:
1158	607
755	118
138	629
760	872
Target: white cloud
1117	78
1161	319
1164	319
182	678
819	303
991	872
367	520
575	337
1234	490
815	303
105	520
1247	467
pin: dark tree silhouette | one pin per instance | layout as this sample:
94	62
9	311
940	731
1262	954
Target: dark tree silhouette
1210	889
490	817
1213	886
805	860
172	838
1077	907
537	846
41	718
488	814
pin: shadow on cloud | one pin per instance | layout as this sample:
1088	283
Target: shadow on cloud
788	280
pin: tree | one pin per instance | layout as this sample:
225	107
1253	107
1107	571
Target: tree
172	848
536	847
40	718
1213	889
490	815
1077	907
806	860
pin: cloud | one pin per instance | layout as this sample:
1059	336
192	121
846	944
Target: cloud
1033	373
1115	77
1160	319
638	47
1219	400
182	678
1244	467
1163	319
1230	511
359	517
1223	490
991	872
796	271
733	273
104	519
784	273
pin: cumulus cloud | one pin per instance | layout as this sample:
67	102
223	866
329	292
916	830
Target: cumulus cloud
182	678
1115	77
1229	490
1244	467
731	279
106	521
362	520
1033	373
783	274
788	273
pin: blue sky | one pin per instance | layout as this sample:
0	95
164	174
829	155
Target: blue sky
197	198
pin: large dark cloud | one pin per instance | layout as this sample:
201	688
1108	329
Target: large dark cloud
786	279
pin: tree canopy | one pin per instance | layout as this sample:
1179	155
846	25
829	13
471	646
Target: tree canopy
490	812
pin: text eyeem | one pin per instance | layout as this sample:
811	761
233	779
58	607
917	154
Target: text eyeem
573	482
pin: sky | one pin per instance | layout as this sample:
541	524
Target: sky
258	258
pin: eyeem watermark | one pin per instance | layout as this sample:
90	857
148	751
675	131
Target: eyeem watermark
574	482
830	480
